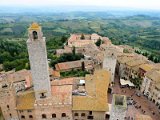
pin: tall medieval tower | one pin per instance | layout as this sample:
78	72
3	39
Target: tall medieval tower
38	61
119	107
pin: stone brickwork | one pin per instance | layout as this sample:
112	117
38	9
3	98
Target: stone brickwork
39	64
109	63
119	107
8	104
88	115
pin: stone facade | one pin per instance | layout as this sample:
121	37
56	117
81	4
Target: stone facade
88	115
109	63
38	61
8	104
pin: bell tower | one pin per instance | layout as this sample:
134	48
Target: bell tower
38	61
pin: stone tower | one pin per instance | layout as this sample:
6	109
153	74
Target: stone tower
119	107
109	63
38	61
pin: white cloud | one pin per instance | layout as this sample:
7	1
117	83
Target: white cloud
147	4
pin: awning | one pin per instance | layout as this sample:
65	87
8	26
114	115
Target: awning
126	82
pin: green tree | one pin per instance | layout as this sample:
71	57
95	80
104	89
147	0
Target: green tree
83	66
82	37
74	50
99	42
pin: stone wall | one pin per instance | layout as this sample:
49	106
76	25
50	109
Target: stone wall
39	67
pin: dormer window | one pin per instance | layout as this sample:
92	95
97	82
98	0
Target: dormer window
35	35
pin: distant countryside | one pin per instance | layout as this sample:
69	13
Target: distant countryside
142	32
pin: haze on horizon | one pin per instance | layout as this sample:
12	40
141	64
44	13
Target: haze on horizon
135	4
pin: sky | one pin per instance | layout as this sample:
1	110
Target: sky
140	4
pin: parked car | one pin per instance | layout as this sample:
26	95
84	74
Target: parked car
138	94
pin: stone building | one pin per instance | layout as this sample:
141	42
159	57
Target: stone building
76	40
119	107
34	95
90	100
151	86
8	103
109	63
128	66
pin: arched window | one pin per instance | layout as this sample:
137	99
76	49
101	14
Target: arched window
23	117
35	35
75	114
63	114
53	115
30	116
44	116
83	114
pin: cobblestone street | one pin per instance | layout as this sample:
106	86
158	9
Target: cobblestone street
142	106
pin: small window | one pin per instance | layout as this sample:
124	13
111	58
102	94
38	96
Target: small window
8	106
10	115
90	117
30	116
29	110
53	115
90	112
63	114
23	117
83	114
21	111
44	116
75	114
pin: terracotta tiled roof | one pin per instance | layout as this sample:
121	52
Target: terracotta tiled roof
65	81
158	85
34	26
71	65
124	59
20	75
56	73
62	94
26	101
62	51
106	40
96	87
146	67
135	62
153	75
62	91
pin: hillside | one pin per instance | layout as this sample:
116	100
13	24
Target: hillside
140	31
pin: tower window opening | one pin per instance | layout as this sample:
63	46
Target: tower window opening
83	114
44	116
63	114
23	117
53	115
42	95
76	114
35	35
30	116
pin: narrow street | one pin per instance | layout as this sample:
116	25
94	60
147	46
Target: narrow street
142	106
